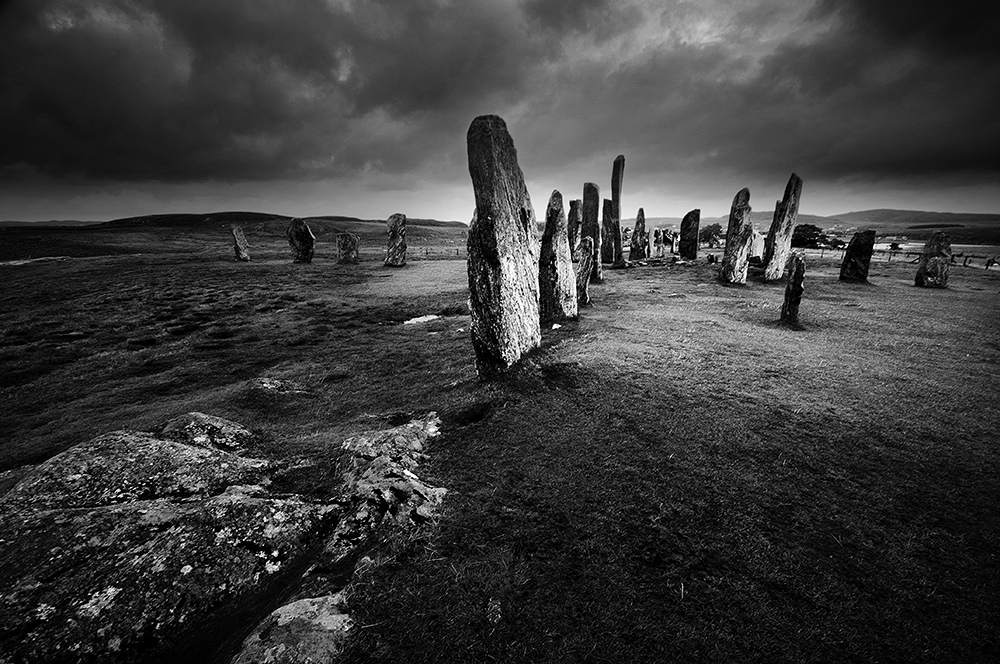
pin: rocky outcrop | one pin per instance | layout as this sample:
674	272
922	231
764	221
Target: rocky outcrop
740	231
556	277
858	257
314	629
207	431
240	245
503	251
794	287
592	227
689	235
584	270
395	255
932	268
301	240
348	248
639	248
778	243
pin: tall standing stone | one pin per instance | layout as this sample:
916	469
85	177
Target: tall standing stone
932	270
348	246
301	240
689	235
738	236
574	227
503	251
395	255
639	248
617	179
608	231
556	278
584	269
793	290
592	227
858	257
778	243
756	245
240	245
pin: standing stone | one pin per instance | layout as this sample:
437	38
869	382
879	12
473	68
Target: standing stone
617	179
756	245
240	245
738	235
932	270
592	227
395	255
347	248
503	251
778	244
301	240
608	232
575	223
584	269
639	249
858	257
793	290
556	278
689	235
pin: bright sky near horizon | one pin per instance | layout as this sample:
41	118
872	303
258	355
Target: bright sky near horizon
114	108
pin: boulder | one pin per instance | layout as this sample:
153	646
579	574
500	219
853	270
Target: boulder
301	240
793	290
584	270
778	243
503	251
592	227
208	431
932	268
858	257
556	278
689	235
305	631
395	255
348	248
736	255
639	249
240	245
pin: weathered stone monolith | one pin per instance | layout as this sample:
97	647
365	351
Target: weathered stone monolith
240	245
796	272
738	235
503	251
756	245
301	240
556	278
395	255
584	269
639	249
617	180
858	257
592	227
348	245
689	235
932	270
608	232
574	227
778	243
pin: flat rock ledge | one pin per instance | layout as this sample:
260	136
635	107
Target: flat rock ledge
121	548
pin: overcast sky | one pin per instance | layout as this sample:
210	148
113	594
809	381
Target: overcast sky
114	108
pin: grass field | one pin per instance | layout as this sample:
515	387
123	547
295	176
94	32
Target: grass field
673	477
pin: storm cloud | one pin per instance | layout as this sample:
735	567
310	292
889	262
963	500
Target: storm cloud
237	91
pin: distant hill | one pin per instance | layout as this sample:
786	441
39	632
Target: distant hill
254	217
67	223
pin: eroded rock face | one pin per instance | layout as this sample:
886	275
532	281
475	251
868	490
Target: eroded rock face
118	544
737	252
348	248
308	630
689	235
240	245
503	251
584	269
301	240
858	257
639	247
778	244
794	288
395	255
208	431
932	270
592	227
574	227
556	277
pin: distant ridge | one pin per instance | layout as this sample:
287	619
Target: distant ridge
189	219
